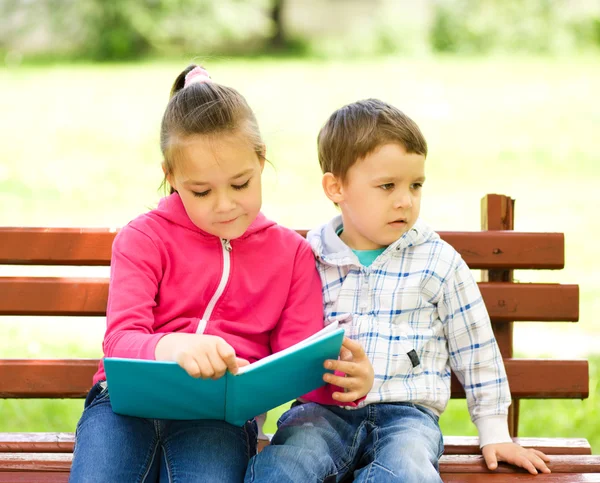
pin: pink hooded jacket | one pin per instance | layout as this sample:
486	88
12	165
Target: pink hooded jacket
260	292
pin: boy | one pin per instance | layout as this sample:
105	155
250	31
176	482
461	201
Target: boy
414	307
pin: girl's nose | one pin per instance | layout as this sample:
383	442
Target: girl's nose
224	204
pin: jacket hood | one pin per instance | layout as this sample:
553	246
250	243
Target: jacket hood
329	248
171	209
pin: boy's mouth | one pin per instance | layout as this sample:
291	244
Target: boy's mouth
399	222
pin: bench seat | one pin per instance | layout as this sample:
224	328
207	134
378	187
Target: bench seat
54	467
454	445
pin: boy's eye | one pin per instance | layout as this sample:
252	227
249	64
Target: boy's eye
417	186
201	194
387	186
240	186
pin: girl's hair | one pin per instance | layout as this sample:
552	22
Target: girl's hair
204	108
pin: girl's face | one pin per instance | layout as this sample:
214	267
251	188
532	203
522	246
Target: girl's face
219	181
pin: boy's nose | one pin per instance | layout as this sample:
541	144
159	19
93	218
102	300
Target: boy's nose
403	200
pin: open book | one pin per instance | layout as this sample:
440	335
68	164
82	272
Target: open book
163	390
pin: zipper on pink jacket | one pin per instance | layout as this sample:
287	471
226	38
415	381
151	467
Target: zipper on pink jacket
226	246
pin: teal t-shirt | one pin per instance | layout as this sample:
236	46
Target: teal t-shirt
365	257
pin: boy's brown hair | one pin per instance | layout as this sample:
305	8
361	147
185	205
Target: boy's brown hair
356	130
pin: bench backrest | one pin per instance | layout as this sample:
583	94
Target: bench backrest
496	250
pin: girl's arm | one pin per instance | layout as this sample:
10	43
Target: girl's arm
302	314
135	273
302	317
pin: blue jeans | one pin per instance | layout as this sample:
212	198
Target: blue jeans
114	448
397	442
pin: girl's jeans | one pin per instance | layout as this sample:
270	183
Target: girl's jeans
397	442
114	448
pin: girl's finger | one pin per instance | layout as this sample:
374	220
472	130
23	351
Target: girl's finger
218	365
206	368
227	354
189	365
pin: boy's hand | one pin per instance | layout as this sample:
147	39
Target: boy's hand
205	356
530	459
358	369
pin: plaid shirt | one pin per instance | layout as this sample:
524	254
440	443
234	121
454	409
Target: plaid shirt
417	311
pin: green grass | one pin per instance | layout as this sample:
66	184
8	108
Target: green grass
80	147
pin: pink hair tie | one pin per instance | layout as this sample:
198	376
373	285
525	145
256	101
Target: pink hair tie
196	75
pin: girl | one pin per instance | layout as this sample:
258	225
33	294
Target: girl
207	281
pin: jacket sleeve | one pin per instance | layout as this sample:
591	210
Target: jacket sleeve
136	271
474	355
302	316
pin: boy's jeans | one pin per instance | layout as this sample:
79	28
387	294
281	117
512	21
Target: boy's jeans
114	448
378	443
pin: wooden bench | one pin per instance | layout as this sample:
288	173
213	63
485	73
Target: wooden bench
497	250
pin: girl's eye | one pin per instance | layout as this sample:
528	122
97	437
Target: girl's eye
387	186
240	186
201	194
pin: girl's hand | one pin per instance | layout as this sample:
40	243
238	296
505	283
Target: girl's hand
205	356
358	369
530	459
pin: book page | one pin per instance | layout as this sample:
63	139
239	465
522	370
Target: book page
298	345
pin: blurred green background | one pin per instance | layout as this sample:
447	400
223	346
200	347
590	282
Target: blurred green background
506	92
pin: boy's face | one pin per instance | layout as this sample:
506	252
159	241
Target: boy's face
381	197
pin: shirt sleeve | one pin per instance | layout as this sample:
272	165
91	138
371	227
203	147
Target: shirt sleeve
136	271
474	355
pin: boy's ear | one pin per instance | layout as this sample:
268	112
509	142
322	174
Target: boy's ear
332	187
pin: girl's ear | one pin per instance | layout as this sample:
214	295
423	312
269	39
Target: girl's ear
262	156
168	177
332	186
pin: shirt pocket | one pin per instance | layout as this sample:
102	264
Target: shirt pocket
390	347
406	356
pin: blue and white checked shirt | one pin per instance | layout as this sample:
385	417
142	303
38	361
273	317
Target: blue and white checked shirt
418	313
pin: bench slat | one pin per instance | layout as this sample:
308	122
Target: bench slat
558	464
72	378
470	445
33	477
519	477
92	246
88	296
514	302
64	442
55	246
448	464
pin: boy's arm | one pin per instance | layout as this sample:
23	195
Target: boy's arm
475	356
477	362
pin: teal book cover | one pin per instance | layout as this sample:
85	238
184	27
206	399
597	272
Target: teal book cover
163	390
